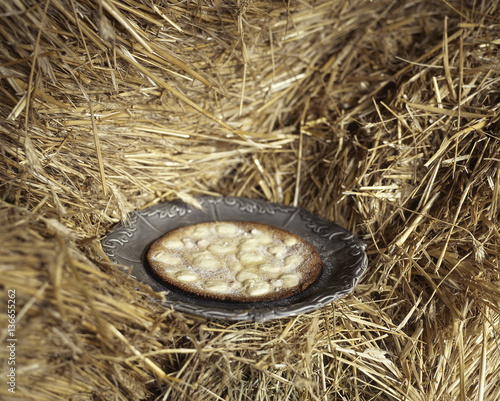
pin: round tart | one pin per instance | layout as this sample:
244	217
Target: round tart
235	261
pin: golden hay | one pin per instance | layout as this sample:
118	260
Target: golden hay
382	115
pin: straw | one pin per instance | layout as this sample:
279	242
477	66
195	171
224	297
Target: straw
382	116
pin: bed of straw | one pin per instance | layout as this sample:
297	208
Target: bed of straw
382	116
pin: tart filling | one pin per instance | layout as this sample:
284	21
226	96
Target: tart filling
235	261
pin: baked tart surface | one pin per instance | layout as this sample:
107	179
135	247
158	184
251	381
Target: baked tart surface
235	261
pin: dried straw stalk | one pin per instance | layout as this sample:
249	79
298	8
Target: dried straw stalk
382	115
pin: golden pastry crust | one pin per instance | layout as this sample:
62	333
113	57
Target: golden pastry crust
235	261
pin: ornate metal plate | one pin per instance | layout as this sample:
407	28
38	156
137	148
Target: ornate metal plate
343	257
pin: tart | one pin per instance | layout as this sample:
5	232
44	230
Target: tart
235	261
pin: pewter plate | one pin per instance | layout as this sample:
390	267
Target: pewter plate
343	256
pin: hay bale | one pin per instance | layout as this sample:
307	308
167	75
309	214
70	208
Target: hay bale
380	115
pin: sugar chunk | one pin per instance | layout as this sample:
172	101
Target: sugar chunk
202	243
173	244
216	286
167	258
188	243
290	241
186	276
257	288
206	261
293	261
245	275
270	269
251	258
222	248
226	229
290	280
248	246
277	249
201	232
235	266
235	285
264	239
